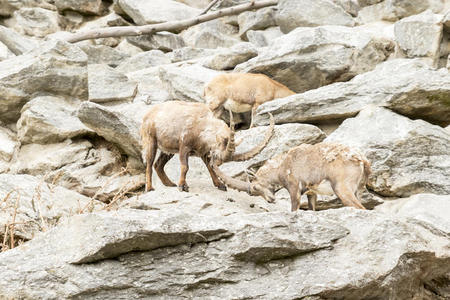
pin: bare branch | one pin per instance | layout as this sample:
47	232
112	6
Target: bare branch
209	7
172	26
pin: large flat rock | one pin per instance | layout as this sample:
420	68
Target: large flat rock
310	57
343	253
57	67
416	90
408	157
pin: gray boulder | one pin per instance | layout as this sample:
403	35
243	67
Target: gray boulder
8	146
343	253
49	119
308	58
106	85
164	41
150	88
8	7
15	42
212	34
228	58
115	125
57	67
420	35
416	90
257	20
35	21
84	6
186	82
408	157
394	10
428	210
143	60
284	138
156	11
309	13
102	54
40	205
5	53
263	38
190	53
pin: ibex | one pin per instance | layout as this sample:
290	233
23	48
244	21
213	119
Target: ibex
303	168
242	92
189	129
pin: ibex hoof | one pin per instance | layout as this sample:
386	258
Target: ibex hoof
222	187
183	188
148	189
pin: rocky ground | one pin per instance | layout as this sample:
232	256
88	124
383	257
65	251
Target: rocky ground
75	223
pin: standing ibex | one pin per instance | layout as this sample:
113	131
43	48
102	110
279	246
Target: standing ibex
242	92
189	129
303	168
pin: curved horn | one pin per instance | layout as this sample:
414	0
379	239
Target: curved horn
232	182
231	146
249	154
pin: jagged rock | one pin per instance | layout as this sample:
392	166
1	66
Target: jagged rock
284	138
228	58
150	88
92	169
300	13
57	67
84	6
393	10
184	81
106	84
308	58
156	11
115	125
352	7
34	21
5	53
428	210
164	41
102	54
343	253
40	205
257	20
263	38
8	145
15	42
413	158
420	35
37	159
128	49
188	53
72	20
143	60
212	34
8	7
201	4
417	91
49	119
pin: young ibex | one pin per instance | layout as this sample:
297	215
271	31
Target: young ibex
189	129
303	168
242	92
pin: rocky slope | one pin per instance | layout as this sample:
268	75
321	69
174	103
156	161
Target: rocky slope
370	74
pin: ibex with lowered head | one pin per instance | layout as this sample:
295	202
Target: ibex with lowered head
242	92
303	168
189	129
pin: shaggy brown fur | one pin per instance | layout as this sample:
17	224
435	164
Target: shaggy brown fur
188	129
